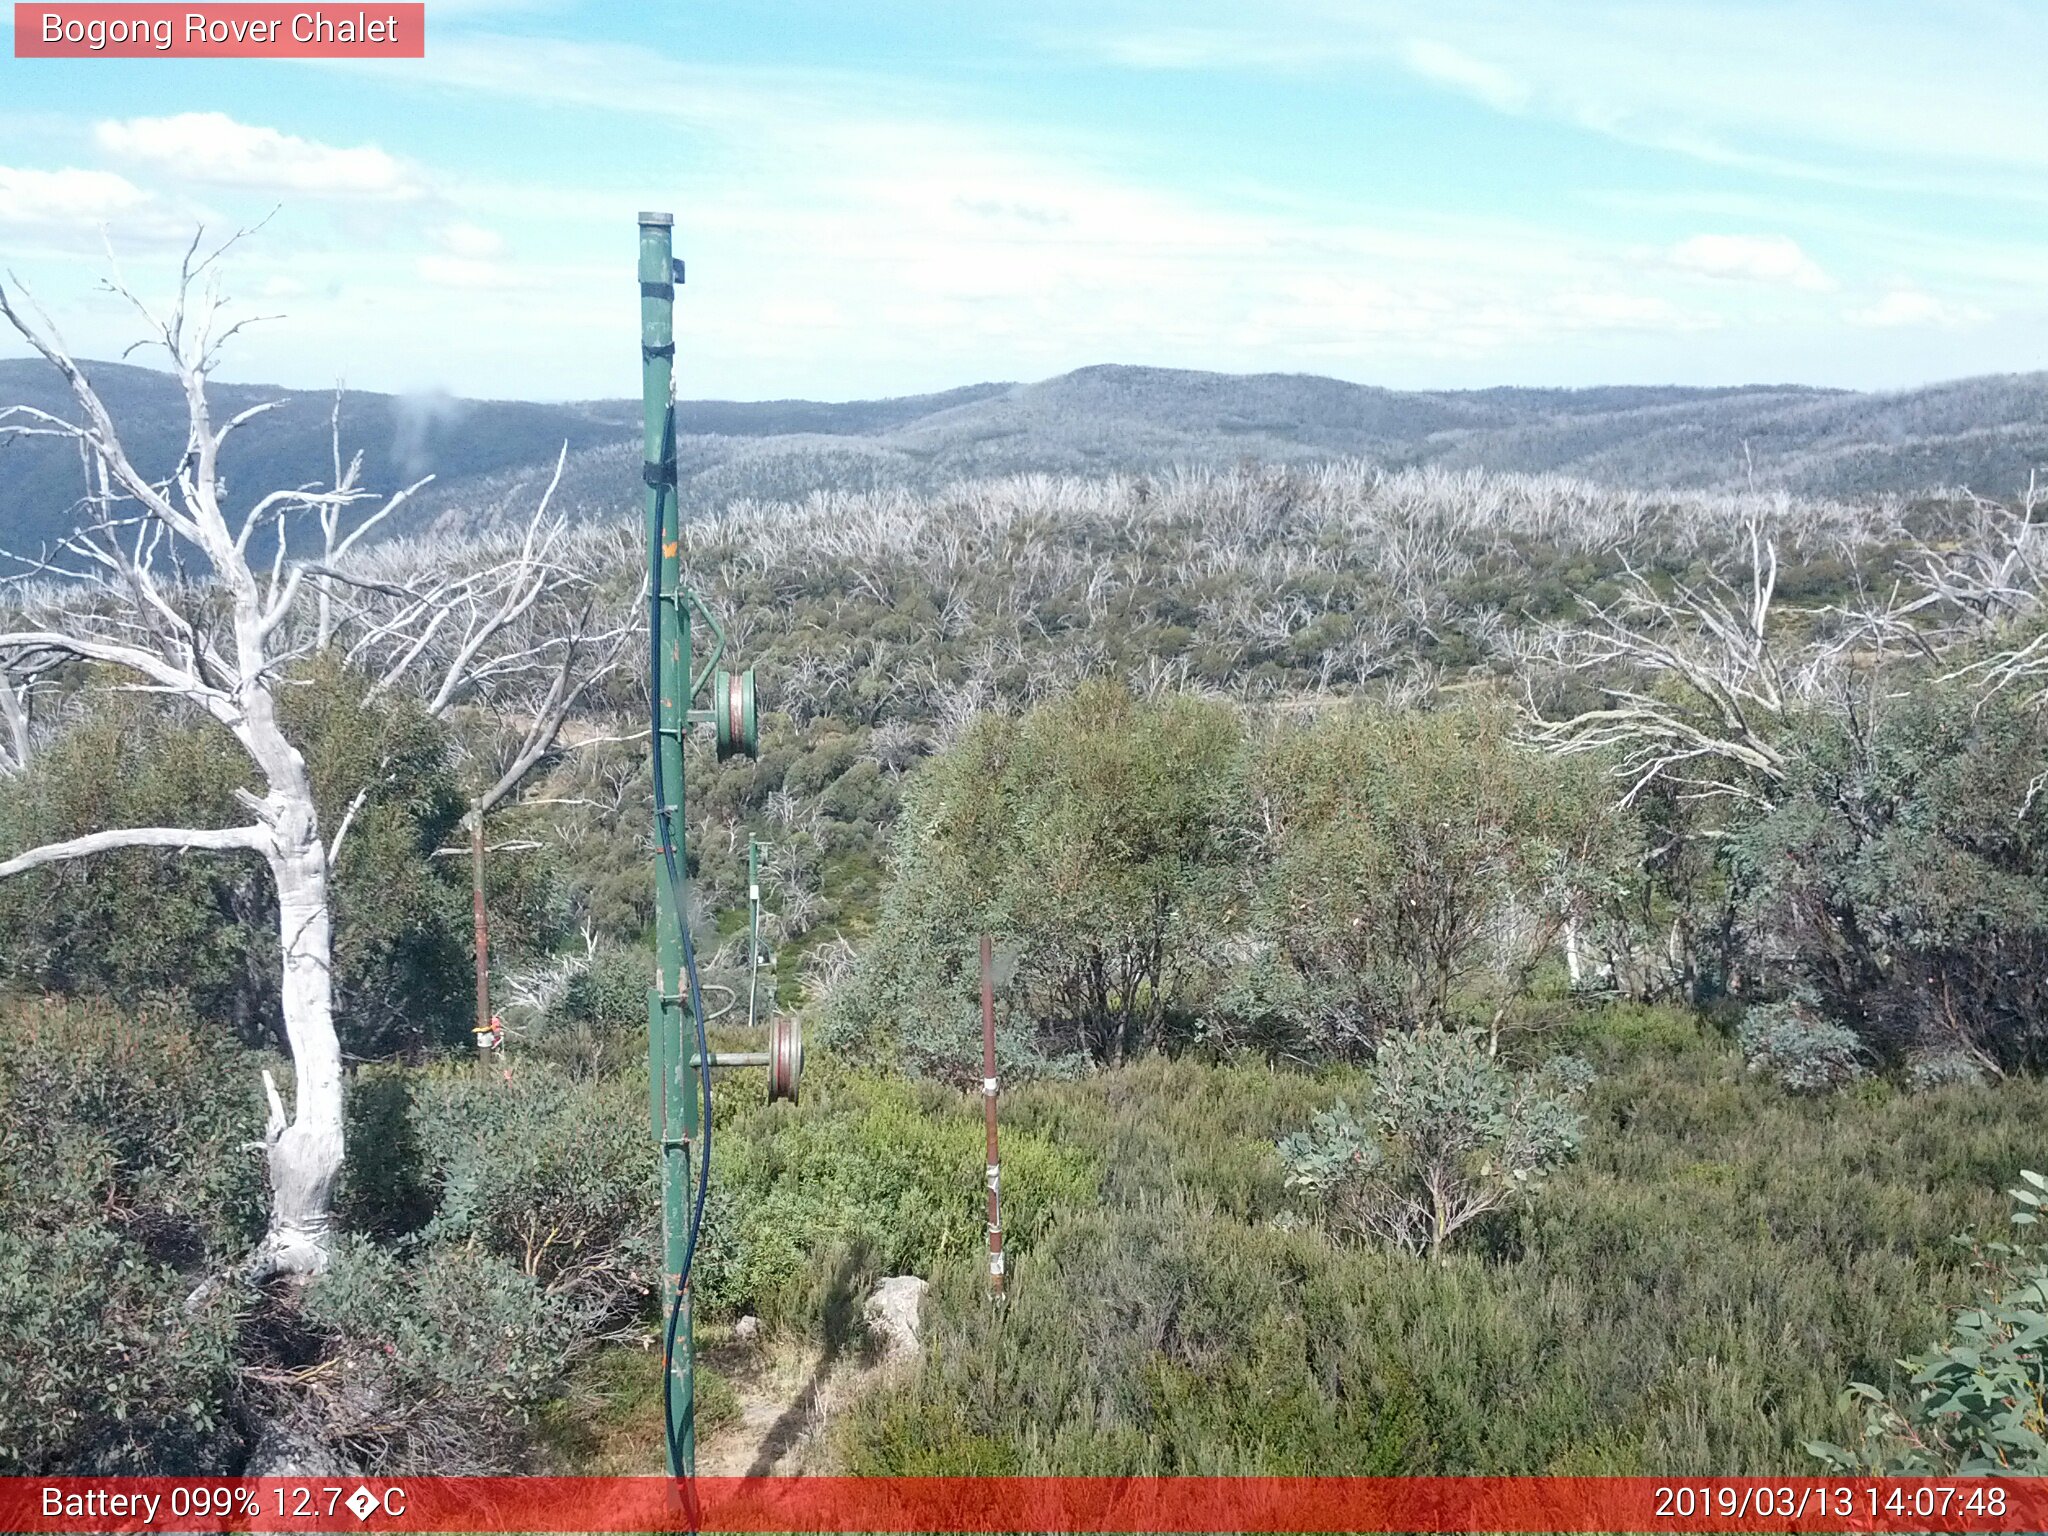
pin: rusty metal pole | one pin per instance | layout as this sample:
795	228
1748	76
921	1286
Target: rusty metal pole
483	927
988	1109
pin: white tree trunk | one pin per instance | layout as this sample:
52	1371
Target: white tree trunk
225	659
306	1153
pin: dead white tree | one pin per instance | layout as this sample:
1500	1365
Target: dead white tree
1695	686
20	681
1985	591
218	645
523	635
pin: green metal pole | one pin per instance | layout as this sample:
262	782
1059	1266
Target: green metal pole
753	925
670	1056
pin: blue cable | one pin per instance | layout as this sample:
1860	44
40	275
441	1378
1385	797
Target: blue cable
664	819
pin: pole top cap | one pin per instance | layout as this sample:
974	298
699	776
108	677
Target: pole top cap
661	219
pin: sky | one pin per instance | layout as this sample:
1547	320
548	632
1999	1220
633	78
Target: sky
885	197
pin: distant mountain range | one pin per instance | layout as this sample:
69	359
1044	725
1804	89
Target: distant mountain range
490	456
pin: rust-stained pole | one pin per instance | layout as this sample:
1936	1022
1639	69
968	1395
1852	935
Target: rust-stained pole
483	928
988	1105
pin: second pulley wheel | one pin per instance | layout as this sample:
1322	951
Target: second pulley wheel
785	1057
732	709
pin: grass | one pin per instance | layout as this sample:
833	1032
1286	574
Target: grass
608	1420
1688	1298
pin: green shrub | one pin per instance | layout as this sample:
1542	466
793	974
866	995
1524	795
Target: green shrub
1448	1135
1929	1070
1631	1031
519	1226
549	1173
102	1372
126	921
1684	1299
868	1176
1090	836
434	1366
1904	872
1155	878
156	1106
1799	1052
386	1191
122	1183
1979	1407
610	993
1422	864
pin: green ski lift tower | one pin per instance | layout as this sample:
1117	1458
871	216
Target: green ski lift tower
679	1057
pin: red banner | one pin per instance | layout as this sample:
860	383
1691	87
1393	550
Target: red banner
1261	1504
217	31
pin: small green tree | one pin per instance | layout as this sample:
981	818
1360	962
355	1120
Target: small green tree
139	916
1980	1397
1423	863
1902	877
1801	1053
1449	1133
1093	836
1118	862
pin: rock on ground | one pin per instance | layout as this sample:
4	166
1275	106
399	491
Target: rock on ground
891	1314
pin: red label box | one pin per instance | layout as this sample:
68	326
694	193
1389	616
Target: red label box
372	30
120	1506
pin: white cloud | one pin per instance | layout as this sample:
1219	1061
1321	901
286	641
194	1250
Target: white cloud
850	240
471	241
859	242
1910	306
471	256
1450	66
495	277
1908	100
802	314
455	272
1771	259
66	198
212	148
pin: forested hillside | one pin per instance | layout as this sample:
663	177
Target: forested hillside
1985	434
1465	940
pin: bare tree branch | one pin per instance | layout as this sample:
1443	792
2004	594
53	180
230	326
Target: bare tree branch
220	839
1711	727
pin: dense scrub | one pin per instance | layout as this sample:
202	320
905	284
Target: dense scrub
882	624
140	922
1689	1294
1175	873
1689	1297
1904	877
1244	772
119	1174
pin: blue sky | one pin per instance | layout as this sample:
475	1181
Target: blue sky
880	197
